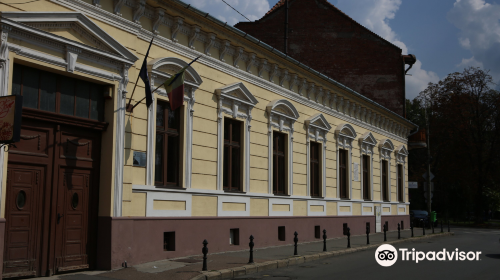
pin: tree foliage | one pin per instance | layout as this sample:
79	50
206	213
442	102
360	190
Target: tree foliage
464	118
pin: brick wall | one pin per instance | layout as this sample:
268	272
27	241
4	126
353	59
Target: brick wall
327	40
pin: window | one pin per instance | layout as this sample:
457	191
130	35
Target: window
234	236
167	146
169	241
344	228
317	232
279	163
343	173
59	94
315	150
385	181
366	177
232	155
400	183
281	233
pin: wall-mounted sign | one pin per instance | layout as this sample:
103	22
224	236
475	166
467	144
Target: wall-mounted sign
413	185
139	159
11	109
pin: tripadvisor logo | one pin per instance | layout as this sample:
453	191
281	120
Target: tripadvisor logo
386	255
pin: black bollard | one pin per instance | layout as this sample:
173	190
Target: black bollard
205	252
251	249
448	225
399	231
411	226
441	226
385	230
295	240
423	227
324	240
348	238
367	234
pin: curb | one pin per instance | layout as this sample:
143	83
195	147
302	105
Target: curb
269	265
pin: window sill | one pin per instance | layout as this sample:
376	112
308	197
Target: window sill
386	201
367	199
401	201
228	191
169	187
278	194
316	196
345	198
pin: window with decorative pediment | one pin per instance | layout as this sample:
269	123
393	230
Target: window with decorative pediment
345	135
282	116
159	71
235	104
401	154
317	127
367	142
385	149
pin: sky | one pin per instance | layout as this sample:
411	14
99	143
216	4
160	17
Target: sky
445	35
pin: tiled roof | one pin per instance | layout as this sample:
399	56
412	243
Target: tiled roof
282	3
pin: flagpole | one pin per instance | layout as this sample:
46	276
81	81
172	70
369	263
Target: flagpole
138	76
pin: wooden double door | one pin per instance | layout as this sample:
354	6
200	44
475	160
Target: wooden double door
51	201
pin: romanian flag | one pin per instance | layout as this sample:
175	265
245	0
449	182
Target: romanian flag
175	87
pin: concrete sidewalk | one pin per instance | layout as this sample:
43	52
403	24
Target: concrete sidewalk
232	264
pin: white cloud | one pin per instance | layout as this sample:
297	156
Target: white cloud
253	9
375	15
479	24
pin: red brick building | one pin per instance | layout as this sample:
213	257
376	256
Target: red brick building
324	38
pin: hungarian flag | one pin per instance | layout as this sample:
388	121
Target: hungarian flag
175	87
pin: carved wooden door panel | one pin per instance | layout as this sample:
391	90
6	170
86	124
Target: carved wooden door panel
23	226
77	162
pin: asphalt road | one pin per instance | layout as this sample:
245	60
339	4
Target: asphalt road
362	265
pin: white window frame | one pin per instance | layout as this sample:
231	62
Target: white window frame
345	135
401	154
385	149
192	82
366	143
282	116
316	128
236	101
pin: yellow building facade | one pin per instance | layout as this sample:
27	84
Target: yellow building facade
263	144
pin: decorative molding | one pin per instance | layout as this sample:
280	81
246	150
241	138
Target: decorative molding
139	11
262	66
302	86
71	57
237	101
238	54
159	16
280	201
225	46
386	205
118	6
318	95
273	72
4	86
251	61
344	204
151	197
211	41
316	203
282	115
293	81
233	199
310	90
178	22
368	213
283	76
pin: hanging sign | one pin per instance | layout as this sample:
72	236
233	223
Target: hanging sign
11	109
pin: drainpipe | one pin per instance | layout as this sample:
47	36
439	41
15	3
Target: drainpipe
286	28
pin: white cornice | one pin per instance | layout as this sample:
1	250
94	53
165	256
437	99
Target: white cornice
249	77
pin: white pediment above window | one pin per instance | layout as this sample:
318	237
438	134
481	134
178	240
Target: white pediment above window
282	115
161	69
317	127
401	154
386	147
236	100
367	142
63	29
345	135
